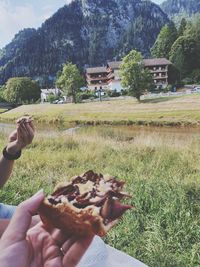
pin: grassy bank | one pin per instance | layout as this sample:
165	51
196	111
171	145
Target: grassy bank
163	111
162	174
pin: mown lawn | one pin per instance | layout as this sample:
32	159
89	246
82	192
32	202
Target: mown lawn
162	173
2	110
167	111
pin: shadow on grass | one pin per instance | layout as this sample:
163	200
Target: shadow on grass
157	100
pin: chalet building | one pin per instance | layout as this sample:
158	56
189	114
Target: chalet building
97	78
114	83
159	69
108	77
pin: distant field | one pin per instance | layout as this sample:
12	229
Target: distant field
162	173
163	111
2	110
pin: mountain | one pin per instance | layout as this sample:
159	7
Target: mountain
85	32
178	7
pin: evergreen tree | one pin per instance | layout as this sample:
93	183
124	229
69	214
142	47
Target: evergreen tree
184	55
186	49
182	27
164	41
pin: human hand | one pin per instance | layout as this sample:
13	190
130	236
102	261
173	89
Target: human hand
22	136
20	247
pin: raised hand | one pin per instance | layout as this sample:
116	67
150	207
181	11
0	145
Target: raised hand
22	136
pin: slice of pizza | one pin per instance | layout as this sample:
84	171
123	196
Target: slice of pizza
89	204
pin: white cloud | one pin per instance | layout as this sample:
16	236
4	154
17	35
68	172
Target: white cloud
15	17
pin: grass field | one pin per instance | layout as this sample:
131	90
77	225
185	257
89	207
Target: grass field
2	110
162	172
163	111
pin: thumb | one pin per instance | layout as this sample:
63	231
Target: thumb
20	223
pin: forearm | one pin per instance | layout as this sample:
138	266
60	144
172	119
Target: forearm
10	152
3	225
6	167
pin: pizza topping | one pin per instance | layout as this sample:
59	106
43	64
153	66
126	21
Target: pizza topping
92	189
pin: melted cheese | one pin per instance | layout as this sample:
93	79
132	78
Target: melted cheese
104	187
84	188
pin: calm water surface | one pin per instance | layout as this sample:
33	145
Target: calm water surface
126	132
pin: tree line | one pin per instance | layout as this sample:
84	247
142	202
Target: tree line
182	47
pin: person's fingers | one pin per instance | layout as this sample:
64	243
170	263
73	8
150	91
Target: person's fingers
58	236
26	133
20	132
32	125
21	220
30	132
76	251
13	136
66	246
23	126
22	136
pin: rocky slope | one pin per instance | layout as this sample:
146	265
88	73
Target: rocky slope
86	32
175	7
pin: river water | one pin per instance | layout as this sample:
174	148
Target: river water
110	131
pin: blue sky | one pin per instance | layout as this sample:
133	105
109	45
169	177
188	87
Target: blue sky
18	14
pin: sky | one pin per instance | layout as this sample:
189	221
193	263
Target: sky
16	15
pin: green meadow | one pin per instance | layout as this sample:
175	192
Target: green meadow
166	111
161	168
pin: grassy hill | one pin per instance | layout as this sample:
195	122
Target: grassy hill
183	110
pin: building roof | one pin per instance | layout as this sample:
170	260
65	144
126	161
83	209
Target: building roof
114	64
96	70
50	90
156	61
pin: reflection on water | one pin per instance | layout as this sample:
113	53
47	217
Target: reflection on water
41	129
117	133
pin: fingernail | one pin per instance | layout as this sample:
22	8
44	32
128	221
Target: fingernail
41	191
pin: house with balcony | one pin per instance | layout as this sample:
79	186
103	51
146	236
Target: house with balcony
159	68
108	77
97	78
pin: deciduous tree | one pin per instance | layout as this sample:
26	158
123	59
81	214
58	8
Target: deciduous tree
70	80
20	90
134	76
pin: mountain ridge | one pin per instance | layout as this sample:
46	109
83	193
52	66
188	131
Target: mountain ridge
85	32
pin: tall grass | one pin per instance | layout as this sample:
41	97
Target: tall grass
162	173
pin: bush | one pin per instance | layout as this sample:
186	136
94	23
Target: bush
85	95
195	76
2	98
51	98
124	92
113	93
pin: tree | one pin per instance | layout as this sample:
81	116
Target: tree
20	90
70	80
182	27
164	41
184	55
134	76
185	51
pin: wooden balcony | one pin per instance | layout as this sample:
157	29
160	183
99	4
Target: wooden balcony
157	71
